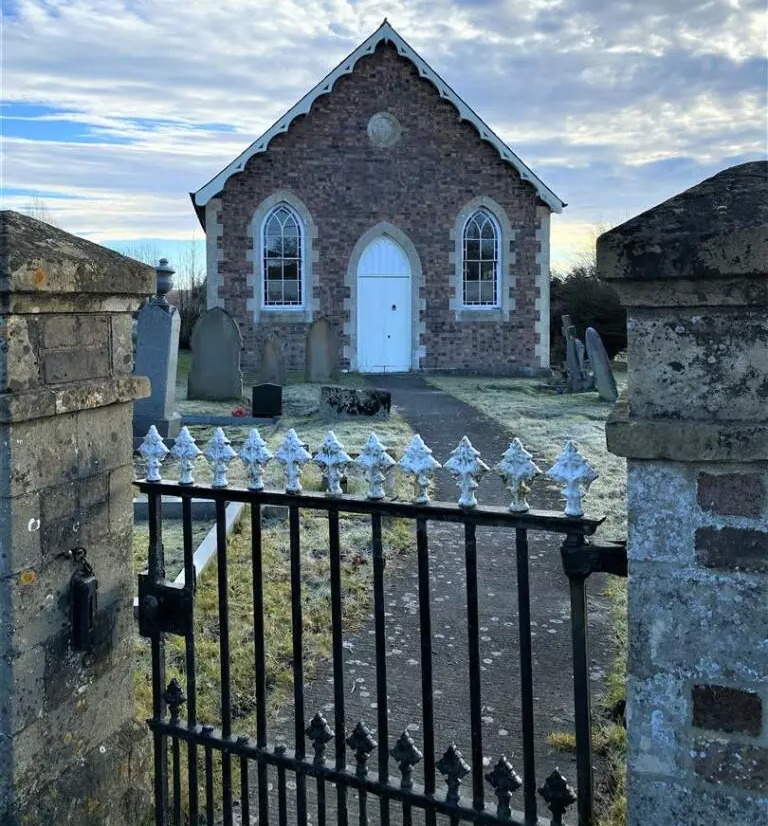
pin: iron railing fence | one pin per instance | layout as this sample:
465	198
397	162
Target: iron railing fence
312	781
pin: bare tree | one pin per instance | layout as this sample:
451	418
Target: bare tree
38	209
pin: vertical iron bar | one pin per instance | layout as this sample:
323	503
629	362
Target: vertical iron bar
381	662
260	665
320	802
427	691
577	569
189	643
298	662
473	644
282	801
176	781
245	794
226	688
526	674
156	569
209	802
337	631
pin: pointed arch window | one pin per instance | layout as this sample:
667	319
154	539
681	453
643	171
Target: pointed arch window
481	260
283	261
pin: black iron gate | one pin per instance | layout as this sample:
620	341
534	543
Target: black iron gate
202	765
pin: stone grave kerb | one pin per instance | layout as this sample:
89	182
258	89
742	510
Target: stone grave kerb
66	394
693	274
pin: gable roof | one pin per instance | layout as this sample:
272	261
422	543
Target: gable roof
385	33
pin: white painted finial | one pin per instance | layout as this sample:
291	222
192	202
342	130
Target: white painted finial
421	464
333	461
517	468
573	471
219	453
185	451
292	456
375	462
153	450
466	467
254	455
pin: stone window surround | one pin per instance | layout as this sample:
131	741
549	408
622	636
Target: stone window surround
418	304
507	260
254	256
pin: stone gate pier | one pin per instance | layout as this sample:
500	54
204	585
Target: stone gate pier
693	274
70	751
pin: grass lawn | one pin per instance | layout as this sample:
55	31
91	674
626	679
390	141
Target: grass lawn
543	421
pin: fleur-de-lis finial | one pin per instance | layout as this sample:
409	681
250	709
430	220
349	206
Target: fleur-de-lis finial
153	450
466	467
174	698
362	744
453	766
319	732
333	461
407	756
375	462
219	453
517	468
419	462
504	780
558	795
574	472
292	455
254	455
185	451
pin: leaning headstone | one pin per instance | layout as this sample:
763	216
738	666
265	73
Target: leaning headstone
157	352
215	374
355	401
605	383
266	400
577	377
272	368
322	351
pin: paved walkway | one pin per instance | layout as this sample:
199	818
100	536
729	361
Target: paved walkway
442	420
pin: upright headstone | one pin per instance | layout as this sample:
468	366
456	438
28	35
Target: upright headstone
577	377
322	351
693	274
157	353
272	368
266	400
605	383
215	374
71	750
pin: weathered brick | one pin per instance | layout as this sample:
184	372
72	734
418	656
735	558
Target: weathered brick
731	764
732	494
721	708
731	549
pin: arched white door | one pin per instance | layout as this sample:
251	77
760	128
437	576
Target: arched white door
383	308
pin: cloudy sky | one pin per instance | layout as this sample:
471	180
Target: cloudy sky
115	109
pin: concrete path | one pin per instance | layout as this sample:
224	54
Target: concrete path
442	420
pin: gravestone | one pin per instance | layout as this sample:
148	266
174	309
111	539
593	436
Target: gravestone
322	351
215	374
355	401
157	352
605	383
266	400
577	377
272	368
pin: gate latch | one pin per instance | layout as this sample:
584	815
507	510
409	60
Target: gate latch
610	558
164	608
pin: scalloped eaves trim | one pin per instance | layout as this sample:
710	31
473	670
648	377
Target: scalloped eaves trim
385	33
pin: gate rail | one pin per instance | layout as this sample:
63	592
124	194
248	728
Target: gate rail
167	608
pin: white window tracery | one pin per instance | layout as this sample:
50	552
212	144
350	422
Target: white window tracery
283	258
481	253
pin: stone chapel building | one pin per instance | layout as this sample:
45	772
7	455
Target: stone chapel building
383	204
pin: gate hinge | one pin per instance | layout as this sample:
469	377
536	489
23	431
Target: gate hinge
610	558
164	608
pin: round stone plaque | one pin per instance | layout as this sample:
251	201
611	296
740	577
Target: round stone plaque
383	130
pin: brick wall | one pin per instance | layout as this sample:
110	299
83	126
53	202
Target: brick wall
419	185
